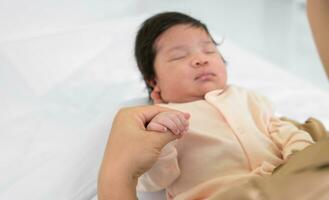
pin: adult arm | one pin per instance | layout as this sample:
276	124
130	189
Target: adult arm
318	15
131	150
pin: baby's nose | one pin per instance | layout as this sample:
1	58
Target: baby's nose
199	61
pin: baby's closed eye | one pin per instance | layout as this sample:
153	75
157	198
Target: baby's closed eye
178	56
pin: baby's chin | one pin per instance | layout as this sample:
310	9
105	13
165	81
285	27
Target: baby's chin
186	98
195	96
212	88
181	98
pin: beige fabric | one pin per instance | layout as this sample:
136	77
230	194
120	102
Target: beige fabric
310	185
304	177
233	136
312	125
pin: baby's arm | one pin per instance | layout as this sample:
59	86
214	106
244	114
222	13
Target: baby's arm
289	137
175	121
284	134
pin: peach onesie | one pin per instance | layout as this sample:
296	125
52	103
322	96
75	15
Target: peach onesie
233	134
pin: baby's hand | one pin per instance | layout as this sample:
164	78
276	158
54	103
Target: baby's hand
174	121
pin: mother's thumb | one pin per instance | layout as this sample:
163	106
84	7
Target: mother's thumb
159	140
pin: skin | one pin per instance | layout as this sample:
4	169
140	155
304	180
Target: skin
318	16
196	67
187	65
122	163
173	121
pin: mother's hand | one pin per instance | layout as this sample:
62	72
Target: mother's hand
131	151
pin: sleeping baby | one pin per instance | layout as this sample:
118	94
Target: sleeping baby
227	133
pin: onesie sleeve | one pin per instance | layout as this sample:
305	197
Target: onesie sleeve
288	137
284	134
163	172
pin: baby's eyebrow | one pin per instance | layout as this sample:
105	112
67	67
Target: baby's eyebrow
183	47
178	47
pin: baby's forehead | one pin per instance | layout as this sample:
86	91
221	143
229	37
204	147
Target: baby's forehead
181	36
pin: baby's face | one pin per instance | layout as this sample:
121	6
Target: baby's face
187	64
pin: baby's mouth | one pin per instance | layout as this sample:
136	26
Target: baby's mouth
204	76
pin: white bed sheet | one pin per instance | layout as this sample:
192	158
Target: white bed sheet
60	91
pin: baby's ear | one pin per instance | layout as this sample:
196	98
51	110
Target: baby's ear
156	95
156	92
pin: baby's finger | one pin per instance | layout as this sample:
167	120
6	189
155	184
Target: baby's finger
169	123
184	120
179	120
153	126
187	116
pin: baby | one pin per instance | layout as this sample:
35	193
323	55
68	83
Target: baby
227	132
